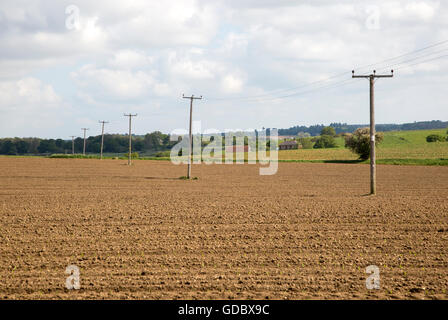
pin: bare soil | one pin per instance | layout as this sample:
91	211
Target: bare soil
139	232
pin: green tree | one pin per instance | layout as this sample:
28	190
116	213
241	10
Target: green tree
79	144
325	141
306	143
138	145
60	144
154	140
22	146
33	143
8	147
328	131
303	135
359	142
435	138
47	146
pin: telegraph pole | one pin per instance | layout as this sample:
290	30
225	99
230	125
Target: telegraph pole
130	136
73	144
84	148
190	147
102	138
372	78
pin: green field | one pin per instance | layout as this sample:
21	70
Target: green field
398	147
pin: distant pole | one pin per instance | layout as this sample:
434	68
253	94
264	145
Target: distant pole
84	148
190	146
372	78
73	144
102	138
130	136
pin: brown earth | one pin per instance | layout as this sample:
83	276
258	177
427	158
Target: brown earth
136	232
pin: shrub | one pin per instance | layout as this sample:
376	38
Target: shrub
186	178
72	156
163	154
306	143
133	155
435	138
325	141
359	142
303	135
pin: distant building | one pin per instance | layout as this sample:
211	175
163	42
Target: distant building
280	137
288	145
236	149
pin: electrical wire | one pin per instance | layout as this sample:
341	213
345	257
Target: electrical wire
268	96
338	84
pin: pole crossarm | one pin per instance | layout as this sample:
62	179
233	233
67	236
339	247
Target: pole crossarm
373	75
192	97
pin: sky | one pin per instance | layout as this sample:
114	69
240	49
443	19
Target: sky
257	63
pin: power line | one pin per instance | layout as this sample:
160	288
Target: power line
329	86
343	82
269	94
412	59
420	62
436	58
406	54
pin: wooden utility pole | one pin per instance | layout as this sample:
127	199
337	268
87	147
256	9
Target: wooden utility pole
130	136
372	78
102	138
190	146
84	148
73	144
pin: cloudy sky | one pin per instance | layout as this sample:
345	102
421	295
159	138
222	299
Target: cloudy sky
272	63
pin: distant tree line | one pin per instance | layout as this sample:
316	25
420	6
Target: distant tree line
113	143
315	130
158	142
155	143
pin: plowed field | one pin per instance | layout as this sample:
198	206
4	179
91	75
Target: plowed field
308	232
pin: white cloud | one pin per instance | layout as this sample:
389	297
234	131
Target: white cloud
130	59
113	84
143	53
27	93
29	104
191	67
410	10
232	84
